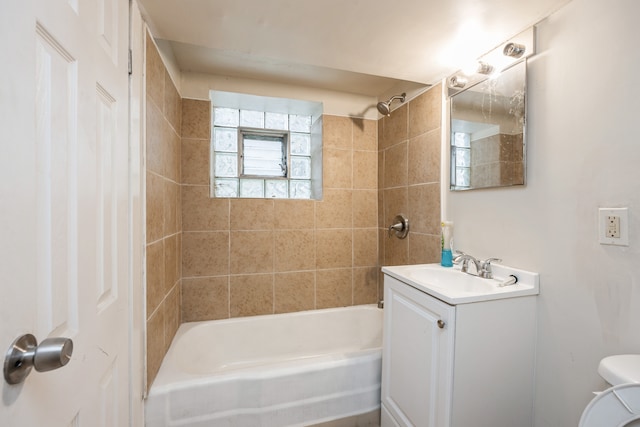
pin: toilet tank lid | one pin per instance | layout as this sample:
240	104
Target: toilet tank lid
620	369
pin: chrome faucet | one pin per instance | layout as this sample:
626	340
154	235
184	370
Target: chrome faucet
483	268
464	259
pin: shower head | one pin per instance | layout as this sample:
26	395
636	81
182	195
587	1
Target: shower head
385	107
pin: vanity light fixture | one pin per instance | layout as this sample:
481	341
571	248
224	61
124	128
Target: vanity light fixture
484	68
457	82
514	50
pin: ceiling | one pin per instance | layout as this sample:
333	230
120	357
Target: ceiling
366	47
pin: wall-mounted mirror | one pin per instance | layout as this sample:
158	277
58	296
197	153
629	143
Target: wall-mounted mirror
487	136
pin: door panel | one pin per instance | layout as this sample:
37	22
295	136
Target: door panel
64	176
57	169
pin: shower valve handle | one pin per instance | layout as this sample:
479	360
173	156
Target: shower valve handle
400	226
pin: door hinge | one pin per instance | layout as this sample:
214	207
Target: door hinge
130	62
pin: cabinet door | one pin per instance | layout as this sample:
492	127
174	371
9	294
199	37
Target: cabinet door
417	356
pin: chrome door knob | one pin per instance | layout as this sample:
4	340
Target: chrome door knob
25	353
52	353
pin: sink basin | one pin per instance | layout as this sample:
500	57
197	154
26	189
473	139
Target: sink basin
620	369
455	287
450	279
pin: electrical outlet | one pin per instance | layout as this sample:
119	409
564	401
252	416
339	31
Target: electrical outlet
613	226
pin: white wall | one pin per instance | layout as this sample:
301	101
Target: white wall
197	86
583	153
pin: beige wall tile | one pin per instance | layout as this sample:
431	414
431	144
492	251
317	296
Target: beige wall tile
155	124
394	128
195	161
365	247
395	166
171	276
338	168
337	132
251	295
365	134
365	170
252	214
424	208
365	208
171	213
381	169
424	248
205	298
383	235
155	207
295	250
333	248
335	210
334	288
155	345
196	119
294	214
171	307
251	252
155	276
205	253
201	212
172	104
381	209
424	158
154	74
179	255
172	147
365	285
395	202
179	208
396	251
425	111
294	291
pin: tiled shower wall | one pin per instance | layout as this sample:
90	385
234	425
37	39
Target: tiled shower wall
245	257
163	245
409	179
219	258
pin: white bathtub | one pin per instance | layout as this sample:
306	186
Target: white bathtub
295	369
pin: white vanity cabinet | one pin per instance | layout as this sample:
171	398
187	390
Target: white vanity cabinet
462	365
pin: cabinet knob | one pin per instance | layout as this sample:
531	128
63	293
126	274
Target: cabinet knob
440	323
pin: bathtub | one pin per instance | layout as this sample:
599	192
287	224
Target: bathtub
295	369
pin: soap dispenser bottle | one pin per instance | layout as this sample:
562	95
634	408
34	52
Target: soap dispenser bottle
447	241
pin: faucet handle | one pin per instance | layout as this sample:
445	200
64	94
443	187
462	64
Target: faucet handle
485	267
464	259
459	255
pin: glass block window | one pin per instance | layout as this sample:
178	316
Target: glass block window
261	154
461	158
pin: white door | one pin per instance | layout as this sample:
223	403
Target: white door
64	243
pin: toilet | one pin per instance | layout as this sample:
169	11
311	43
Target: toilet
618	405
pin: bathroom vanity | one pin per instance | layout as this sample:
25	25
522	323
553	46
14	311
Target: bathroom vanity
458	350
